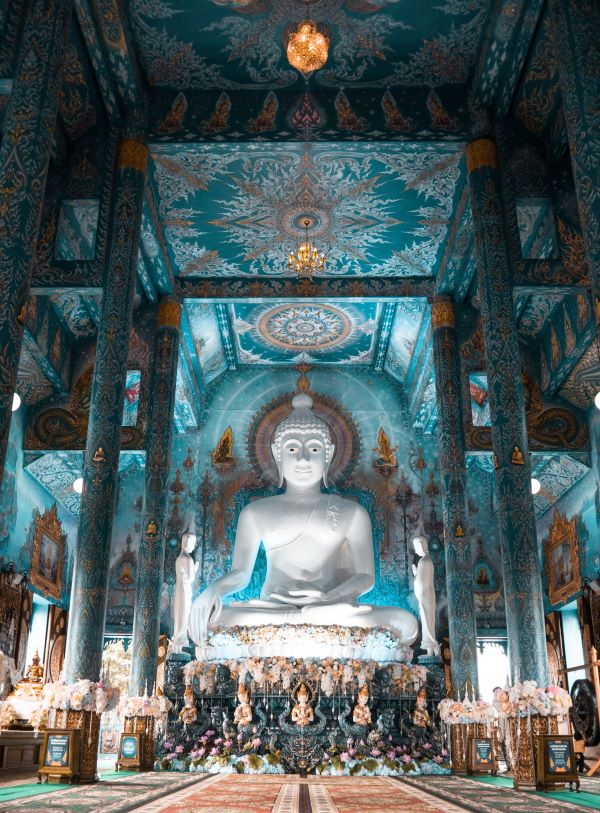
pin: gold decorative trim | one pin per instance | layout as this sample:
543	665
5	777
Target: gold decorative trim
133	154
442	313
169	314
481	153
561	553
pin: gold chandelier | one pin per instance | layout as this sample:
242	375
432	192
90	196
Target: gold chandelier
307	47
307	261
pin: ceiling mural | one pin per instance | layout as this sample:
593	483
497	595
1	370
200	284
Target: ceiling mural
381	212
79	312
557	474
240	44
535	310
202	330
306	332
404	335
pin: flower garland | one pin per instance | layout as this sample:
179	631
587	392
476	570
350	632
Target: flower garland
526	699
332	675
83	695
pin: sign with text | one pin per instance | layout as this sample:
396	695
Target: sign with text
481	757
60	755
131	750
555	761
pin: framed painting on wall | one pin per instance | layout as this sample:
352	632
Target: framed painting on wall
561	553
48	547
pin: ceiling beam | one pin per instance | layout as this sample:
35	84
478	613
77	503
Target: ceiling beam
226	288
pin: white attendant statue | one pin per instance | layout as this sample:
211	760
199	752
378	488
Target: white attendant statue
319	550
185	573
425	595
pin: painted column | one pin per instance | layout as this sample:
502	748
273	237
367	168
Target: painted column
453	471
29	126
576	28
151	555
520	560
92	552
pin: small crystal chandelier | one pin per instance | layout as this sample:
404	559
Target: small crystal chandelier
307	47
308	261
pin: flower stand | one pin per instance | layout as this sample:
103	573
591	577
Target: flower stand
88	724
522	733
460	733
145	727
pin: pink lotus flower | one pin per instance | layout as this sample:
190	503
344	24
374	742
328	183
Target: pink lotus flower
391	755
375	752
427	746
256	742
214	752
438	759
179	749
219	740
406	758
345	756
351	751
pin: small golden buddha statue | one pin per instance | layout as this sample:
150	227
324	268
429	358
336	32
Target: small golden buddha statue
243	711
517	457
420	715
302	713
188	713
35	670
362	713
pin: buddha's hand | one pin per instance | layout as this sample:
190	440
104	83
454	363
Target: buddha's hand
206	608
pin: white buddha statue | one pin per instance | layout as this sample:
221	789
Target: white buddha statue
319	549
423	573
185	573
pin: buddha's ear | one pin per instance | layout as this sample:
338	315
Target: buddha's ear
326	472
276	452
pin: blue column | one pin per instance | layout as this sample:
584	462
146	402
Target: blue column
92	552
577	45
29	126
520	560
453	472
151	555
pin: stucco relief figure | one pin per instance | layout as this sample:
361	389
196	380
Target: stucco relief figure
361	713
185	573
319	548
243	711
425	595
302	713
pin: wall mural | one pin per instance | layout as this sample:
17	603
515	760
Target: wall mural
382	211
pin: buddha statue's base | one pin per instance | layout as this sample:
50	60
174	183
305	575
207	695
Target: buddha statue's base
304	641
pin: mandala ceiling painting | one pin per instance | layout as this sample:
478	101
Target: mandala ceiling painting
381	212
239	44
306	332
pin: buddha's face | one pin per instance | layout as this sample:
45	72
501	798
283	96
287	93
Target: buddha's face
303	459
188	542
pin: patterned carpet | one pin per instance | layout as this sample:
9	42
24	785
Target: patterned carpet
118	795
290	794
185	793
481	797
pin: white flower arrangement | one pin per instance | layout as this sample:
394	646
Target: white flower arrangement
9	674
527	698
83	695
465	712
156	706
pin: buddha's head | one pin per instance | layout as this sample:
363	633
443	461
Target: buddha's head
303	695
421	546
302	446
188	542
363	695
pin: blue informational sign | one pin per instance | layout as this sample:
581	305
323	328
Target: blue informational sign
57	751
129	747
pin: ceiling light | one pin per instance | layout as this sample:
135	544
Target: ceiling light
307	47
78	485
597	400
535	485
307	261
16	401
